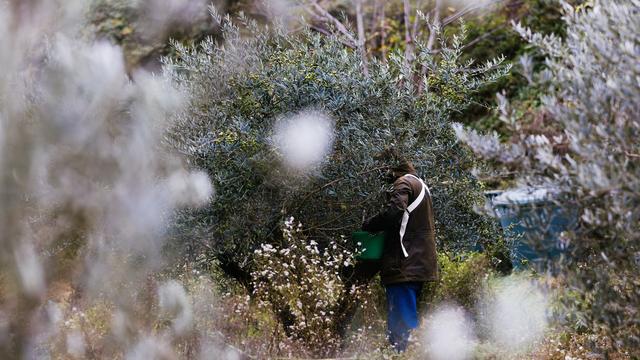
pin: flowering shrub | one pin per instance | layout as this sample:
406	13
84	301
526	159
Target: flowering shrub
304	280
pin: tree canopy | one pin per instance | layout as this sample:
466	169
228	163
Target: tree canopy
242	88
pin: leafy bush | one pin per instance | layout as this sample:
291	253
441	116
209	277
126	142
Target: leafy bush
492	35
592	96
241	88
461	278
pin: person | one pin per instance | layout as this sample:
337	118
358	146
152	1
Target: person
409	253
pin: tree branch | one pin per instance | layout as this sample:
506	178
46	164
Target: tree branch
430	42
416	21
361	38
383	33
326	32
322	12
466	10
408	40
333	182
436	24
481	37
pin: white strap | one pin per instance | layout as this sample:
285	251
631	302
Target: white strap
422	182
410	208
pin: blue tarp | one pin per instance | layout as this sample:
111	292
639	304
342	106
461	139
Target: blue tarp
533	222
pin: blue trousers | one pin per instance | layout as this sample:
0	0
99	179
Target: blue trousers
402	312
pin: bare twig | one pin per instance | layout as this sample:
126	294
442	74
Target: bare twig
383	33
361	38
408	50
481	37
435	25
335	181
326	32
353	215
416	21
466	10
430	42
374	17
328	17
239	353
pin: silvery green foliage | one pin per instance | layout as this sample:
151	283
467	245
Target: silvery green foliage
246	84
87	184
592	91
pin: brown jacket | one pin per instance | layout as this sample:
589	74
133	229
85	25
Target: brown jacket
419	238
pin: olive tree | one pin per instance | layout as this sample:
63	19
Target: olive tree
243	87
592	98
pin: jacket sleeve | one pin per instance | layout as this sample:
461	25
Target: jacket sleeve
392	215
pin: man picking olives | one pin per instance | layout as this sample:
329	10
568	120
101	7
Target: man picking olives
409	254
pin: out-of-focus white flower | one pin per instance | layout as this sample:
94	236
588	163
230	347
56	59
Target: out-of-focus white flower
304	139
30	270
150	348
515	313
449	334
192	188
174	300
75	344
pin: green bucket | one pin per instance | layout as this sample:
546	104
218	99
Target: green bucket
372	244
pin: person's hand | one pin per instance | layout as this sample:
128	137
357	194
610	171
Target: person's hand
365	224
365	221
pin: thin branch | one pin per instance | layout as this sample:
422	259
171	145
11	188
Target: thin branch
481	37
383	33
430	42
335	181
466	10
326	32
240	354
435	25
416	21
327	16
408	50
374	17
361	38
352	215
